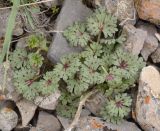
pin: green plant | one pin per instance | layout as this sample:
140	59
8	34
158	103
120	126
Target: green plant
102	65
117	108
55	9
26	64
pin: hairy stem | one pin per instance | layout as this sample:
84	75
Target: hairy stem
78	113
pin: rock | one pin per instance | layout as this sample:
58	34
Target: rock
156	56
123	9
27	110
64	121
10	92
20	128
8	119
85	112
47	122
95	103
72	10
149	10
33	129
52	3
157	36
148	103
151	42
49	102
96	124
22	43
135	39
4	14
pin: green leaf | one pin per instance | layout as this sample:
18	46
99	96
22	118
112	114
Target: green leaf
76	35
35	59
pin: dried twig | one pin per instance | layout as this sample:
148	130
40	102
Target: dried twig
128	19
78	113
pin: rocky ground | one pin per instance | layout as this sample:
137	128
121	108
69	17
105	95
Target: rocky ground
140	20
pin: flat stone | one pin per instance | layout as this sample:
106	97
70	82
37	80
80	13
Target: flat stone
135	39
151	42
156	56
27	110
149	10
72	10
148	103
8	119
47	122
95	103
96	124
49	102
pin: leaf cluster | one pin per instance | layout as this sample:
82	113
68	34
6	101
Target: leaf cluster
26	64
102	65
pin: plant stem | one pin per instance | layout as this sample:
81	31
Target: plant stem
78	113
104	69
99	37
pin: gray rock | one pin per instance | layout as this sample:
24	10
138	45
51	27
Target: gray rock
96	124
64	121
52	3
47	122
8	119
148	103
49	102
151	42
27	110
4	14
22	43
10	92
156	56
123	9
72	10
95	103
135	39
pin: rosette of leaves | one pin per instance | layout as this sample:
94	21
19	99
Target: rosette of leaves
48	84
35	59
77	35
89	71
24	82
116	108
18	58
37	41
68	67
102	22
127	64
